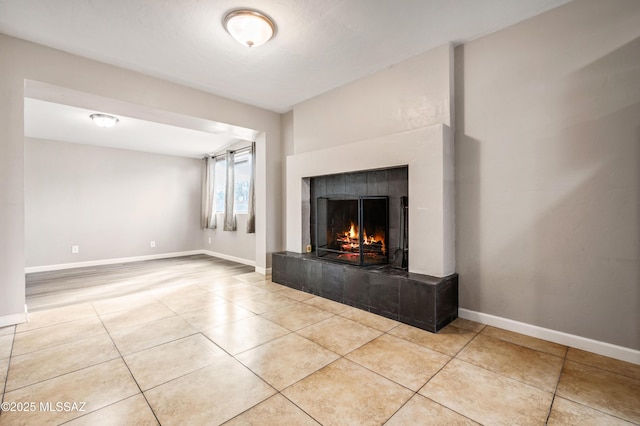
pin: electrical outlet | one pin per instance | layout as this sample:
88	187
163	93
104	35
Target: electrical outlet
75	249
209	240
152	244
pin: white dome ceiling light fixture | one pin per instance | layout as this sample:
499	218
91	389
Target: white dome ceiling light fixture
104	120
249	27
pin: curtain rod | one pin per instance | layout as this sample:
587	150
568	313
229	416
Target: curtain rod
235	151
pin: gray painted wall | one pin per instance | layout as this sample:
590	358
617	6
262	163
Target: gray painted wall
413	94
548	171
236	243
111	203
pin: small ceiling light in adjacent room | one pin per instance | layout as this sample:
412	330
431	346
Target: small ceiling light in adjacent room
249	27
104	120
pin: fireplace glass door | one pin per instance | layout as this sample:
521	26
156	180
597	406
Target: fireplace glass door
352	229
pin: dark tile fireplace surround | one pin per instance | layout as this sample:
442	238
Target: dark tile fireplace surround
423	301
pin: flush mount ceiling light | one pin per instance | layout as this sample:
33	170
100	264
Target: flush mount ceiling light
104	120
249	27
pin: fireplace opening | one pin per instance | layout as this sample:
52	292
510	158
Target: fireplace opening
353	229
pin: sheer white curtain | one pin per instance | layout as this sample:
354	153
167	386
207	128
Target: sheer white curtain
229	194
251	217
208	214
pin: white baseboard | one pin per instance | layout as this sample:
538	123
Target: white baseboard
14	319
260	270
46	268
578	342
228	257
263	271
61	266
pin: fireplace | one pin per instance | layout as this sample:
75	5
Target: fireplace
422	292
353	229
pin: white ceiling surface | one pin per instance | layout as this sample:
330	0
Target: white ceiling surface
319	44
53	121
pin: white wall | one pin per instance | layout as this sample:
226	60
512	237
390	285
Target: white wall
109	202
548	171
23	60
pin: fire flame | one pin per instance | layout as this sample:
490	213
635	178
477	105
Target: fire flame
351	237
352	232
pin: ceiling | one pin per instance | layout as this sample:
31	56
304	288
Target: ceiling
59	122
319	45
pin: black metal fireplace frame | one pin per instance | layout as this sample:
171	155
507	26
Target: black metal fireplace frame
322	251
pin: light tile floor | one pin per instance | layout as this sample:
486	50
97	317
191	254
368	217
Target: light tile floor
244	350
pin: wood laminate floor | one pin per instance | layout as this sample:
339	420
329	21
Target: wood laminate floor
54	289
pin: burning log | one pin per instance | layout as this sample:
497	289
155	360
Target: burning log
349	242
352	245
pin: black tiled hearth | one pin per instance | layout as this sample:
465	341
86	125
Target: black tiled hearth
423	301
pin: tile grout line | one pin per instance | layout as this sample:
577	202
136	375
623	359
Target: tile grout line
300	408
278	392
525	346
52	377
417	392
451	358
60	375
101	362
604	369
377	337
443	367
565	358
298	381
55	346
555	391
257	375
400	407
6	379
512	378
290	331
75	371
387	378
130	372
47	326
506	377
377	373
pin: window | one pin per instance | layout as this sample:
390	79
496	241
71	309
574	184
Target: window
242	177
241	180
